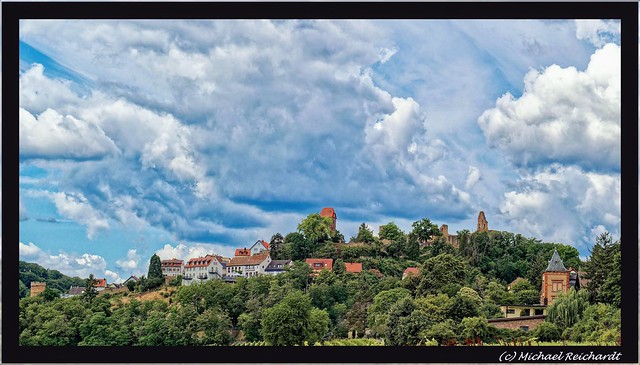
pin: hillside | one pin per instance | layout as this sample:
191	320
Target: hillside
29	272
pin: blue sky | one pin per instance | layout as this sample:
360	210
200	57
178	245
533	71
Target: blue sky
190	137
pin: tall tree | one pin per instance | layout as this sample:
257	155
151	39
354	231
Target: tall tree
287	323
391	232
603	268
155	267
567	309
90	291
300	247
275	247
365	235
424	230
315	228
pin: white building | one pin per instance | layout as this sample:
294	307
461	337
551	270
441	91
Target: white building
258	247
249	266
172	268
201	269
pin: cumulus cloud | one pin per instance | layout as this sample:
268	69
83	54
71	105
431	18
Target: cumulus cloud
564	204
130	263
564	115
52	135
598	32
184	252
68	263
22	211
77	208
473	176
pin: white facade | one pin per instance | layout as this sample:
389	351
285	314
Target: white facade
259	247
201	269
249	266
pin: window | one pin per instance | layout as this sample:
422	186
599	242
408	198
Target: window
556	285
538	312
317	264
511	311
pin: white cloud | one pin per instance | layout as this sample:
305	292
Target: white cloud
71	264
598	32
22	211
473	176
564	115
564	204
184	252
54	135
77	208
130	263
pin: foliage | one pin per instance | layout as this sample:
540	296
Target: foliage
404	324
547	331
277	249
28	272
155	268
424	230
382	303
288	322
439	272
316	229
442	332
391	232
299	247
472	328
567	309
600	323
365	235
90	291
603	269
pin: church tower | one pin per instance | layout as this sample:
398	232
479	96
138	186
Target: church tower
555	280
483	225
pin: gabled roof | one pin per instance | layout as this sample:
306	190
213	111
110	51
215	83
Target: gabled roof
202	261
355	267
326	263
277	265
242	252
76	290
411	271
171	263
264	243
327	212
248	260
101	283
555	264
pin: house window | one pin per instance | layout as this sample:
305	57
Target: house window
511	311
556	285
525	312
317	264
538	312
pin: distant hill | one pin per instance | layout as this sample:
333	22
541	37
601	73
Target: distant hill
55	279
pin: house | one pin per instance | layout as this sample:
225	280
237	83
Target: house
259	246
318	265
513	311
73	291
276	267
411	271
242	252
330	213
556	280
172	268
354	267
132	278
249	266
199	269
100	284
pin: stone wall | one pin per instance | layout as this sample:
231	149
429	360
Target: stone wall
37	288
515	323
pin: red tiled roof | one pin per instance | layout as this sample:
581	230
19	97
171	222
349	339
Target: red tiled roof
100	283
201	261
353	266
171	263
411	271
265	243
242	252
248	260
327	212
326	263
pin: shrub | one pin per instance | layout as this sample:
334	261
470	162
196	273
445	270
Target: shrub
547	331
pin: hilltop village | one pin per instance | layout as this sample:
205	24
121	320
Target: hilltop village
395	288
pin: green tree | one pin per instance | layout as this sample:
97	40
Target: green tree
391	232
382	303
215	327
424	230
603	269
299	275
405	323
442	332
473	328
547	331
567	308
440	272
90	291
315	228
318	325
276	247
600	323
287	323
365	235
155	267
467	303
299	246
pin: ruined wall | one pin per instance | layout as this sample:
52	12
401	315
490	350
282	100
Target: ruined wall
483	224
37	287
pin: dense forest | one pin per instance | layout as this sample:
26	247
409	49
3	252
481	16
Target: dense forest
449	302
56	281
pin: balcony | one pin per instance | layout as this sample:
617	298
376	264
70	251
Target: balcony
202	276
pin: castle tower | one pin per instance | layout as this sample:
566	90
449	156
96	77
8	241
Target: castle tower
483	225
445	230
329	212
555	280
37	287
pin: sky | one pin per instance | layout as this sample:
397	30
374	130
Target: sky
184	138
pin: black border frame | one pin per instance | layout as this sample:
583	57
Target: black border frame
12	12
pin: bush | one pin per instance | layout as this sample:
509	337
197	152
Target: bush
547	331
